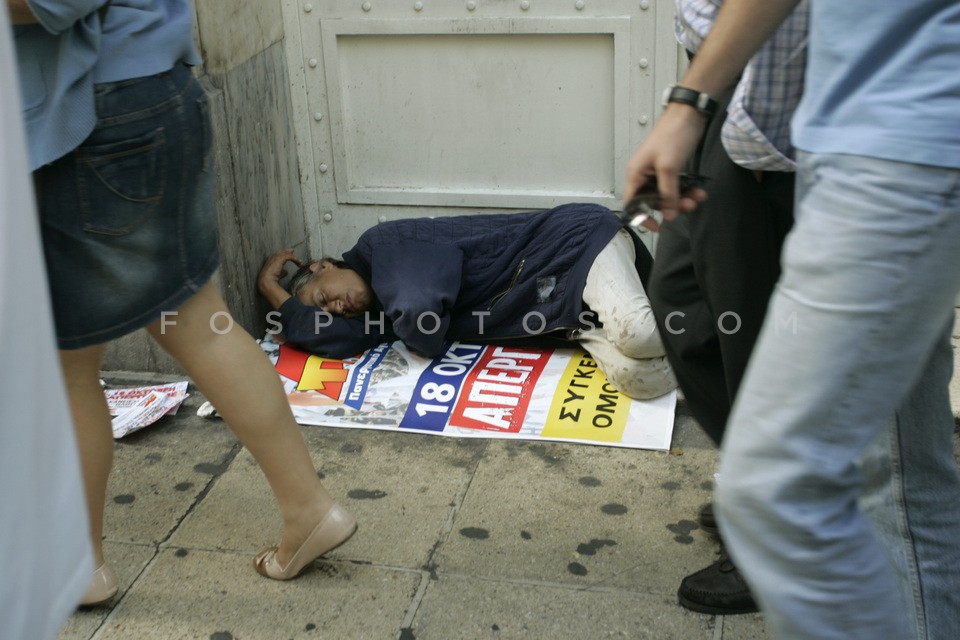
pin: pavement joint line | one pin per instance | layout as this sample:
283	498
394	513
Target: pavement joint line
163	542
598	585
246	552
718	627
225	463
167	546
335	561
553	585
454	511
115	604
429	566
131	543
418	595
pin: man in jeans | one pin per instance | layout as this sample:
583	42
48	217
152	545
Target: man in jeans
858	328
716	267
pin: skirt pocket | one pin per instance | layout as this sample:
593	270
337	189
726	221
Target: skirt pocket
121	183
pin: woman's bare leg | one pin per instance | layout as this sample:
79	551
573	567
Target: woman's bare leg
91	420
233	373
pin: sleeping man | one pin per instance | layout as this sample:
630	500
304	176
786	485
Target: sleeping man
550	278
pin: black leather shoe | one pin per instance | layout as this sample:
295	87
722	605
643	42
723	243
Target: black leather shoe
719	589
707	521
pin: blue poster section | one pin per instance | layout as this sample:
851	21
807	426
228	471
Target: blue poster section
360	379
438	387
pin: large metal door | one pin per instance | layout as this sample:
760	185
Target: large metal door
436	107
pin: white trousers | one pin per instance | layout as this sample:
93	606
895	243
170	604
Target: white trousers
627	348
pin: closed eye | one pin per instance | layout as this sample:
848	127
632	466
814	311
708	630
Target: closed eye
333	309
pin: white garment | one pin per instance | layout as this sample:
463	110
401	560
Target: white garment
47	560
627	348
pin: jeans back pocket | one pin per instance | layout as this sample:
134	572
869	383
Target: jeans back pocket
121	184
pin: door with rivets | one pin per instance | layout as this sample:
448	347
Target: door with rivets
442	107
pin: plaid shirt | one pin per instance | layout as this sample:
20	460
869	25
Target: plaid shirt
756	133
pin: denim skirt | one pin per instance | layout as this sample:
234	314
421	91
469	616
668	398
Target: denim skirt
129	227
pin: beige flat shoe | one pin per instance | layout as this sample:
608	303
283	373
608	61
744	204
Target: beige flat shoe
102	587
334	529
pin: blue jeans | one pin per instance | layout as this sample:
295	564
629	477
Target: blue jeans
857	331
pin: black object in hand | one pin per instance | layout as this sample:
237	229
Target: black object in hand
647	199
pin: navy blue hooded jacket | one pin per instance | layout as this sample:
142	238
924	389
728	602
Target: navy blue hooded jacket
476	278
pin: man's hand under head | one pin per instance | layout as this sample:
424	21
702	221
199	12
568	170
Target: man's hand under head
273	270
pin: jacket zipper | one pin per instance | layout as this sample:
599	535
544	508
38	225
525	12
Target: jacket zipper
513	281
556	330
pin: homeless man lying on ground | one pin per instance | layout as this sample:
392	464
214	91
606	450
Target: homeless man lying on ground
541	279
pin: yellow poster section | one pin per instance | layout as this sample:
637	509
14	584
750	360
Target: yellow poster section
585	406
321	373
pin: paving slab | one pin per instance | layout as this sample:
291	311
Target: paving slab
582	515
128	562
205	595
748	627
400	487
463	608
160	472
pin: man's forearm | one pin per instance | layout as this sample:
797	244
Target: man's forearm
273	292
741	28
20	12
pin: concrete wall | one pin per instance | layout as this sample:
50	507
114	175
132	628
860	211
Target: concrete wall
259	206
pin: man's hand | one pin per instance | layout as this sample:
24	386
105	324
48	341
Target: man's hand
268	282
741	27
663	154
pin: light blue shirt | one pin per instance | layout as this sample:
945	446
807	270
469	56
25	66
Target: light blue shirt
55	59
60	59
145	37
883	81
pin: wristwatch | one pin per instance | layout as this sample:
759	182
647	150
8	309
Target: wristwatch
700	101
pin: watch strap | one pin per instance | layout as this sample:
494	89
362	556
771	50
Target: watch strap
702	102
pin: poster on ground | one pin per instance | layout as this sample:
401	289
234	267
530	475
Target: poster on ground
134	408
472	391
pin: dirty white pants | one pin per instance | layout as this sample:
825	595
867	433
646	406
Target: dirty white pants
627	348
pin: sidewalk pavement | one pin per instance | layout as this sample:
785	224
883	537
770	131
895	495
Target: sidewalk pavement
457	539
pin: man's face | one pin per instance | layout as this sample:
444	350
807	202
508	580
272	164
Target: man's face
339	292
